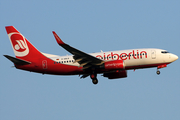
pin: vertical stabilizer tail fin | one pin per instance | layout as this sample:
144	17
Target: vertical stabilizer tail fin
22	48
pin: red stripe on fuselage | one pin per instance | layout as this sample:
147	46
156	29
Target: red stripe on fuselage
144	66
52	68
64	69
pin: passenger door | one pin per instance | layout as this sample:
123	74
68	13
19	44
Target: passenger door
153	54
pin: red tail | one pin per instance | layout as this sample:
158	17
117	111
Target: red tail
23	49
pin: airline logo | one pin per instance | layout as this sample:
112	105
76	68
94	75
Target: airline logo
124	56
113	64
19	44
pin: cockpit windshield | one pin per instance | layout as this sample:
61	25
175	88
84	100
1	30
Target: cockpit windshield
164	52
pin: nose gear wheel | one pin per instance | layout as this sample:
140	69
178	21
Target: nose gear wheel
158	72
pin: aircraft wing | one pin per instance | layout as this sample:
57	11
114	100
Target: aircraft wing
85	60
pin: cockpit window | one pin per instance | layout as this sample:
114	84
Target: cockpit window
164	52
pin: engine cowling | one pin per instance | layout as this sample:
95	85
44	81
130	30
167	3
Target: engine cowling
114	65
116	74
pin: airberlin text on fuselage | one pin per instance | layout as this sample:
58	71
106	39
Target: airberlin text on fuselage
124	56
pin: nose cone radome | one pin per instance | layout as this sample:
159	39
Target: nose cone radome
174	57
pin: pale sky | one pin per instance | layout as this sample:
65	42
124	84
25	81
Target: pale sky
91	26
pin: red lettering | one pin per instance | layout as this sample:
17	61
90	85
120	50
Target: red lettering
130	55
104	56
112	55
137	54
115	55
134	55
108	56
143	52
123	56
99	56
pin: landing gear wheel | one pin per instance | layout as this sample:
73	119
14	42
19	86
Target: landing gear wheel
95	81
158	72
93	76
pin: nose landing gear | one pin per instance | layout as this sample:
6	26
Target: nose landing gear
160	66
158	72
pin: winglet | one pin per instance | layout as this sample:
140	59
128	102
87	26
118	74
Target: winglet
58	39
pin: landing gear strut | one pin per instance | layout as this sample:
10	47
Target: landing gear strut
94	78
158	72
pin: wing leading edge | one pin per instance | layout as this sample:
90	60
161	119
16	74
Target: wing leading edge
85	60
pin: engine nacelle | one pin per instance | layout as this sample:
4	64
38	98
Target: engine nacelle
114	65
116	74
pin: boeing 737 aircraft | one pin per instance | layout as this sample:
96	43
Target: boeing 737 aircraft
113	64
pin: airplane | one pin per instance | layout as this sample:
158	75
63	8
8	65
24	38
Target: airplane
112	64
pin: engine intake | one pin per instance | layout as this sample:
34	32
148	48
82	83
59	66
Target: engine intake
116	74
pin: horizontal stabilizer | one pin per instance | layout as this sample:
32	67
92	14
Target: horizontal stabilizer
17	61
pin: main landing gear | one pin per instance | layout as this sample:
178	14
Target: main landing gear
95	81
94	78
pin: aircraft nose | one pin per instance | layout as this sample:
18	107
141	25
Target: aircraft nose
174	57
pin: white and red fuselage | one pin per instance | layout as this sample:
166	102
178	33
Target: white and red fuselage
112	64
133	59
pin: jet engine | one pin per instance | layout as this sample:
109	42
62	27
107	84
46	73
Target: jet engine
114	65
116	74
